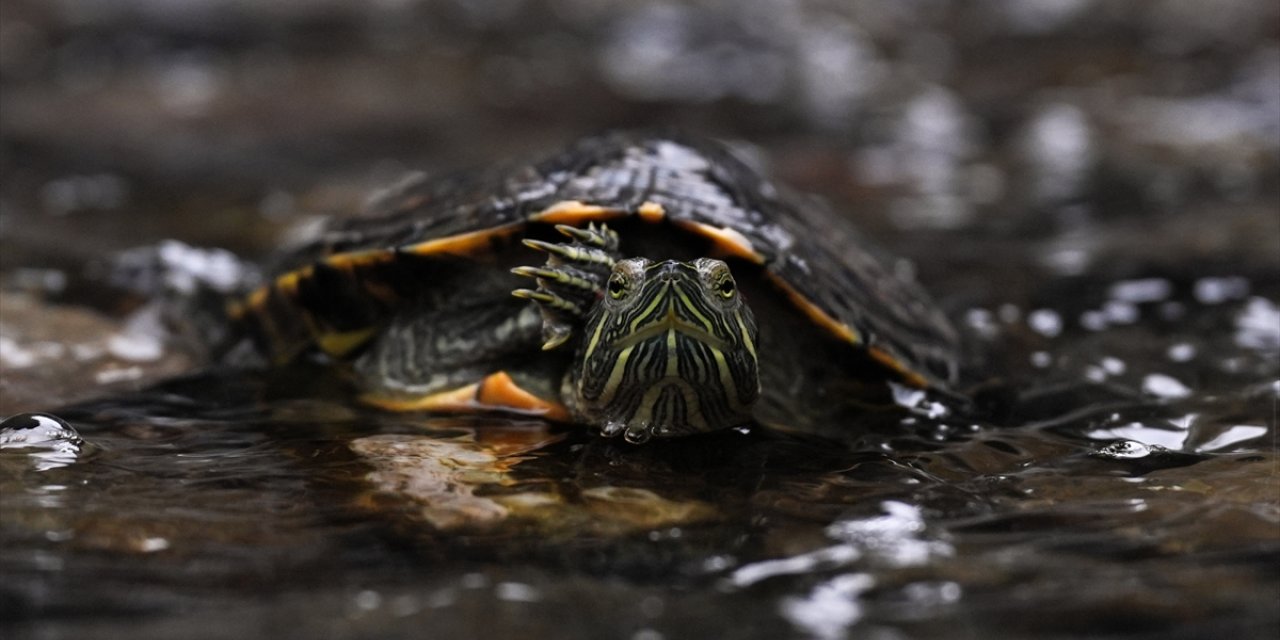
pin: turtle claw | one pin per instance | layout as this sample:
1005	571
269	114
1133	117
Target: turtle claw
613	429
638	433
571	280
555	334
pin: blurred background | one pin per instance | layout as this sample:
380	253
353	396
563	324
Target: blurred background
1007	147
222	122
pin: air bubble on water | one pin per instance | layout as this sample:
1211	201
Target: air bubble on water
1041	359
1113	366
49	441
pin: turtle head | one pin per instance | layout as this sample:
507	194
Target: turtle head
669	349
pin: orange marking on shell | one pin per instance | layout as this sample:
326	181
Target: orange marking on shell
499	391
574	212
728	242
885	358
353	259
496	392
258	297
815	314
460	399
651	212
462	243
381	291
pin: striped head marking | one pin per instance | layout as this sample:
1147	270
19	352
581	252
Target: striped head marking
669	350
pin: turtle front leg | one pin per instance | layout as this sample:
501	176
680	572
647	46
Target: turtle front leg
571	281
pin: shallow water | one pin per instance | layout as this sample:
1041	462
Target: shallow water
1125	485
1089	190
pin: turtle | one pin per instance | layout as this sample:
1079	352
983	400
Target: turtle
644	284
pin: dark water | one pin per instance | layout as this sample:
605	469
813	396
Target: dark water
1091	191
1127	487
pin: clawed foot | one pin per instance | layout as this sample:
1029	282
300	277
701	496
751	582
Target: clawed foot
637	433
571	280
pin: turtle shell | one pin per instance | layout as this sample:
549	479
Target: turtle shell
424	240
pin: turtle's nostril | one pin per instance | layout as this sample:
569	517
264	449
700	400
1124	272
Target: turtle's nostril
668	272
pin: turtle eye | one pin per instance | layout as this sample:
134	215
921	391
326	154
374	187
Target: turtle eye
726	288
617	287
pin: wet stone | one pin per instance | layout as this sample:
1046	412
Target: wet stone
53	354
